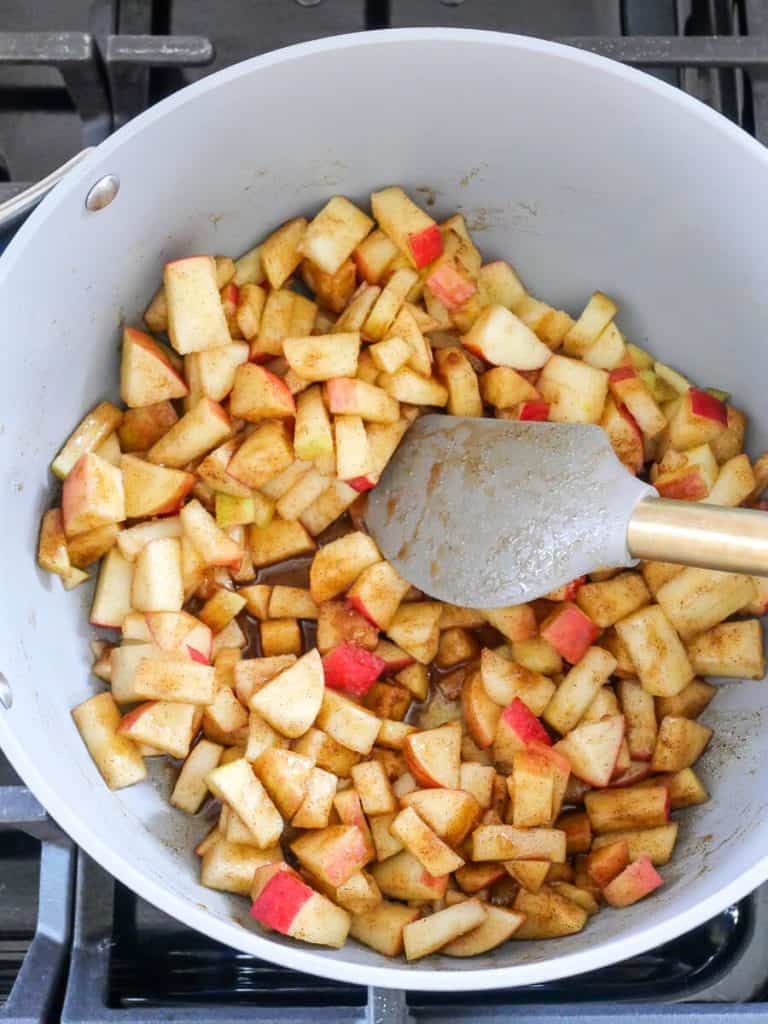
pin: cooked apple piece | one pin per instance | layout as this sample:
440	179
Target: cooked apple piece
729	443
529	874
157	582
517	729
352	669
156	313
505	680
578	689
280	636
147	375
696	599
575	392
191	788
499	337
351	397
115	755
698	419
374	255
278	540
382	926
592	749
456	646
166	727
334	233
477	781
637	706
112	598
481	714
477	878
656	574
373	787
377	593
258	394
294	602
610	600
87	436
152	490
595	317
339	623
213	471
415	679
332	854
52	553
357	895
321	357
229	866
141	428
680	743
236	785
505	388
199	430
313	436
433	756
390	354
179	632
196	319
289	906
622	809
291	700
92	495
657	843
285	775
416	836
732	649
187	682
251	300
408	386
261	736
684	787
402	877
315	809
86	548
688	703
332	503
385	843
327	752
429	934
505	842
281	253
415	628
211	543
347	722
537	655
412	230
332	291
548	915
232	511
534	786
735	482
263	454
339	563
450	813
636	881
578	831
569	631
629	389
225	720
625	435
349	811
656	651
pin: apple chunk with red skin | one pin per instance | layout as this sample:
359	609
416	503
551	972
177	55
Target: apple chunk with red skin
153	490
289	906
258	395
352	669
333	854
569	631
593	748
92	495
425	245
450	287
637	880
147	375
434	755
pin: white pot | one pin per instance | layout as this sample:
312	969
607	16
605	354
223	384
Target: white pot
581	172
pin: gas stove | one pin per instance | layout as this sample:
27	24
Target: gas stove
78	947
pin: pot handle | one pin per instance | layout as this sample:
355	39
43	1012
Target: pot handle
23	202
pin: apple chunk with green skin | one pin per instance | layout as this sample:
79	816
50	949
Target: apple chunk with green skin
147	375
291	701
333	854
92	495
289	906
433	756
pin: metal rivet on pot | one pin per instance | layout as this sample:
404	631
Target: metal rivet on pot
309	3
102	193
6	697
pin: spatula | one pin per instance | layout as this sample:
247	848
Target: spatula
486	513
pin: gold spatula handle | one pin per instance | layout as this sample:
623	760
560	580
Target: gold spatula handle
693	533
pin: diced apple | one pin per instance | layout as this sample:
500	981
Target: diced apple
624	434
229	866
277	541
258	394
732	650
332	854
211	543
578	689
291	700
629	390
680	743
382	927
116	756
339	563
637	706
656	843
92	495
575	392
569	631
352	669
321	357
517	729
289	906
656	651
52	553
433	756
281	253
196	318
696	599
191	789
199	430
500	338
592	749
429	934
636	881
112	598
419	839
157	582
504	680
505	842
91	432
285	775
347	722
548	915
402	877
142	427
450	286
406	385
236	785
165	726
450	813
169	679
312	436
698	419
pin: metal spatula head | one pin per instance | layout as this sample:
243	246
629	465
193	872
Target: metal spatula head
486	513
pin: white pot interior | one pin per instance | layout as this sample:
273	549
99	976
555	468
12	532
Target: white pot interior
584	175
